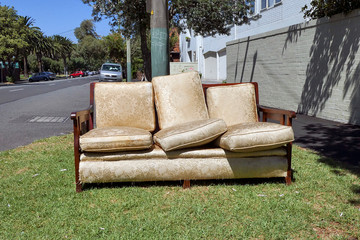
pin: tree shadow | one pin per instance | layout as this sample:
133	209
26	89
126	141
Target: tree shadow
294	32
332	59
338	144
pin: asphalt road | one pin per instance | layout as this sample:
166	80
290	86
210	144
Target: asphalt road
32	111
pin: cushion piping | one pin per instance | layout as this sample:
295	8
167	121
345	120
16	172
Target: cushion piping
263	145
242	134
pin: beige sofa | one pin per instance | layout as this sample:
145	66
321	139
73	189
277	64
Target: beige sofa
174	128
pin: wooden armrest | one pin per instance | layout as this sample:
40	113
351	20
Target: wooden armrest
283	116
82	121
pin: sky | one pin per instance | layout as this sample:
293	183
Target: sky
57	16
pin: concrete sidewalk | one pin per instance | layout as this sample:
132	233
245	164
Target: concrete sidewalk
338	141
3	84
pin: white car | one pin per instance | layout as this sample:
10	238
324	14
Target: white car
111	72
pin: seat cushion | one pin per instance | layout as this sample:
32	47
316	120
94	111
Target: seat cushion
179	99
125	104
255	136
113	139
234	103
189	134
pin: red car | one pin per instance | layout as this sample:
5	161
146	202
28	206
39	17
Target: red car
77	74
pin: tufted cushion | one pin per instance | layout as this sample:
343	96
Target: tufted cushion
179	99
189	134
125	104
112	139
235	103
255	136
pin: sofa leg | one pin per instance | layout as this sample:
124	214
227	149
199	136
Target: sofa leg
186	184
78	187
288	177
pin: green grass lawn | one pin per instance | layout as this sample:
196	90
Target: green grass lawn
38	201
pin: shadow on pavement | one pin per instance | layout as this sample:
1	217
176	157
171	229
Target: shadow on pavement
338	144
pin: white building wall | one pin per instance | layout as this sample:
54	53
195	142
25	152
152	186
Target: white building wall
210	65
284	14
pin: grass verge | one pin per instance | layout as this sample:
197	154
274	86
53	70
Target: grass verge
38	201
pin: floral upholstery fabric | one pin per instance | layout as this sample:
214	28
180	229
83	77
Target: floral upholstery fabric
235	103
182	168
190	134
112	139
125	104
179	99
155	152
255	136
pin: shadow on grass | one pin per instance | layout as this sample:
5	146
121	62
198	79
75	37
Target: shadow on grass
337	144
194	183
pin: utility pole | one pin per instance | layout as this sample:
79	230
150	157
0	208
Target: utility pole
159	23
128	61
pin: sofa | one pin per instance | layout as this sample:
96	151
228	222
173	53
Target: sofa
176	128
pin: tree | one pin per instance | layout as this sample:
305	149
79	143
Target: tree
86	28
209	17
116	48
206	17
30	37
328	8
12	37
93	51
63	48
42	47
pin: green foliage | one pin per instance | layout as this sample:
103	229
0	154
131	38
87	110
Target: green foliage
93	51
116	48
328	8
76	63
52	65
12	37
12	34
86	28
209	17
62	49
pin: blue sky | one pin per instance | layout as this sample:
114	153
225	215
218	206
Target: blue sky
57	16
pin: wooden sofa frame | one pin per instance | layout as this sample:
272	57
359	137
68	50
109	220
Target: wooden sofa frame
83	122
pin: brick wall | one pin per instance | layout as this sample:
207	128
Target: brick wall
311	68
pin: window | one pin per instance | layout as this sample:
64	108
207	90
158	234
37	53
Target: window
269	3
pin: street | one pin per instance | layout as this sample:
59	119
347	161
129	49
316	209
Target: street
32	111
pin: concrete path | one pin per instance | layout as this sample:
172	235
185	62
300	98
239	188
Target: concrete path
338	141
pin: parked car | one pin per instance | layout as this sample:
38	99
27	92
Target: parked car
111	72
52	75
42	76
77	74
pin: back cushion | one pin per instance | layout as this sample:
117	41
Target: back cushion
234	103
125	104
179	99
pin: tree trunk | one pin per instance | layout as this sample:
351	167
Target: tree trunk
39	61
65	66
146	54
26	75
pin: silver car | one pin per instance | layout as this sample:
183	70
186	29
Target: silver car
111	72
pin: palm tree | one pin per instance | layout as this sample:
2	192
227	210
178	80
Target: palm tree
30	38
42	46
63	48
